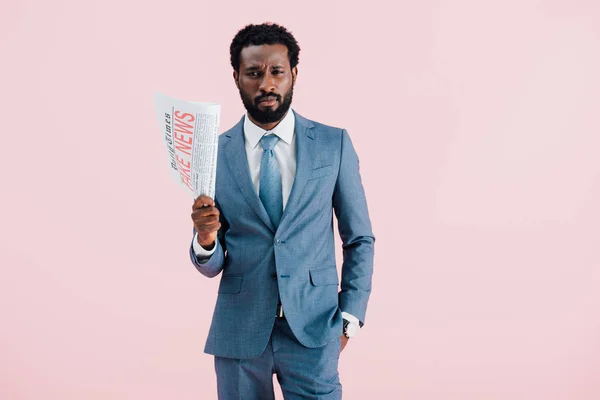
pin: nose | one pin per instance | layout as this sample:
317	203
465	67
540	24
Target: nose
268	83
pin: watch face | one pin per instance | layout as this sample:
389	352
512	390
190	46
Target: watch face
351	329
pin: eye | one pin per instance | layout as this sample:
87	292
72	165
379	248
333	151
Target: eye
252	74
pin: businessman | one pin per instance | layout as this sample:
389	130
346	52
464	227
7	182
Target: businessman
269	230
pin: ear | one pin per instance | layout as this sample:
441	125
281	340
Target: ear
235	78
294	74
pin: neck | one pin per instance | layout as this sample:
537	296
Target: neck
267	126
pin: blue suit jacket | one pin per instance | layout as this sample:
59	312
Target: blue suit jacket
297	260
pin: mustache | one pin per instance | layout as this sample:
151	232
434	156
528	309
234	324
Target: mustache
267	96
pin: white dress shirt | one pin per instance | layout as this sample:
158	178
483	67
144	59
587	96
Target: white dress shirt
285	152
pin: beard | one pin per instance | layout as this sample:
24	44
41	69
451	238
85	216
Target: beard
269	115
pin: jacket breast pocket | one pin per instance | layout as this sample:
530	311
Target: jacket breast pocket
230	284
321	172
324	276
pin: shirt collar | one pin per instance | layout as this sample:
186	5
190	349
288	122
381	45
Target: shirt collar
284	129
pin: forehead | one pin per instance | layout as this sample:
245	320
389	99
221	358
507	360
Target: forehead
265	54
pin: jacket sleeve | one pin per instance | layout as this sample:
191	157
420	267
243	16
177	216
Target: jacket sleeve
354	225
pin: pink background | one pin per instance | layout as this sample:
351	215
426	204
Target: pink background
477	124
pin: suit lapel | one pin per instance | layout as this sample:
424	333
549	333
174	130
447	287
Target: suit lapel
305	155
235	153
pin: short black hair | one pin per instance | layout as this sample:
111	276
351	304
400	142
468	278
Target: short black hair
266	33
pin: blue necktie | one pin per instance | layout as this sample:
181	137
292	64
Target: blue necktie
270	180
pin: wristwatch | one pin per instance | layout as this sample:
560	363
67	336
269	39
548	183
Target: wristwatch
350	328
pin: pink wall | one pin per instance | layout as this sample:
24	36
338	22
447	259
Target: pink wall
477	124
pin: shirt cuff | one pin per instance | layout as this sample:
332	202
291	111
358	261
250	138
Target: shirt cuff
200	251
351	318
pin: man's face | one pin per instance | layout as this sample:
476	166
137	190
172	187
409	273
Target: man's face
266	81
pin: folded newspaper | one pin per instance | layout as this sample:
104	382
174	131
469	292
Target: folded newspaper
191	134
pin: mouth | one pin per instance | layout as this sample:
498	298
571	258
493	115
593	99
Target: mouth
268	101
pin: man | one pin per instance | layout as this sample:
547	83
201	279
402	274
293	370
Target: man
280	178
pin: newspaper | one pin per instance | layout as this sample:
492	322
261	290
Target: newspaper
191	134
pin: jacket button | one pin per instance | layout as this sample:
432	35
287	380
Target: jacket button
277	242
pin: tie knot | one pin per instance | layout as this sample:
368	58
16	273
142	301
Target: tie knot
268	141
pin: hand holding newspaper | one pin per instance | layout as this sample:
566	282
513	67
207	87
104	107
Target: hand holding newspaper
191	135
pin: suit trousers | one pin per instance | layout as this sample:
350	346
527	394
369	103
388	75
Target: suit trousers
302	372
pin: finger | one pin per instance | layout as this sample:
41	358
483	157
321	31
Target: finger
203	199
208	228
205	210
205	220
201	204
204	216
